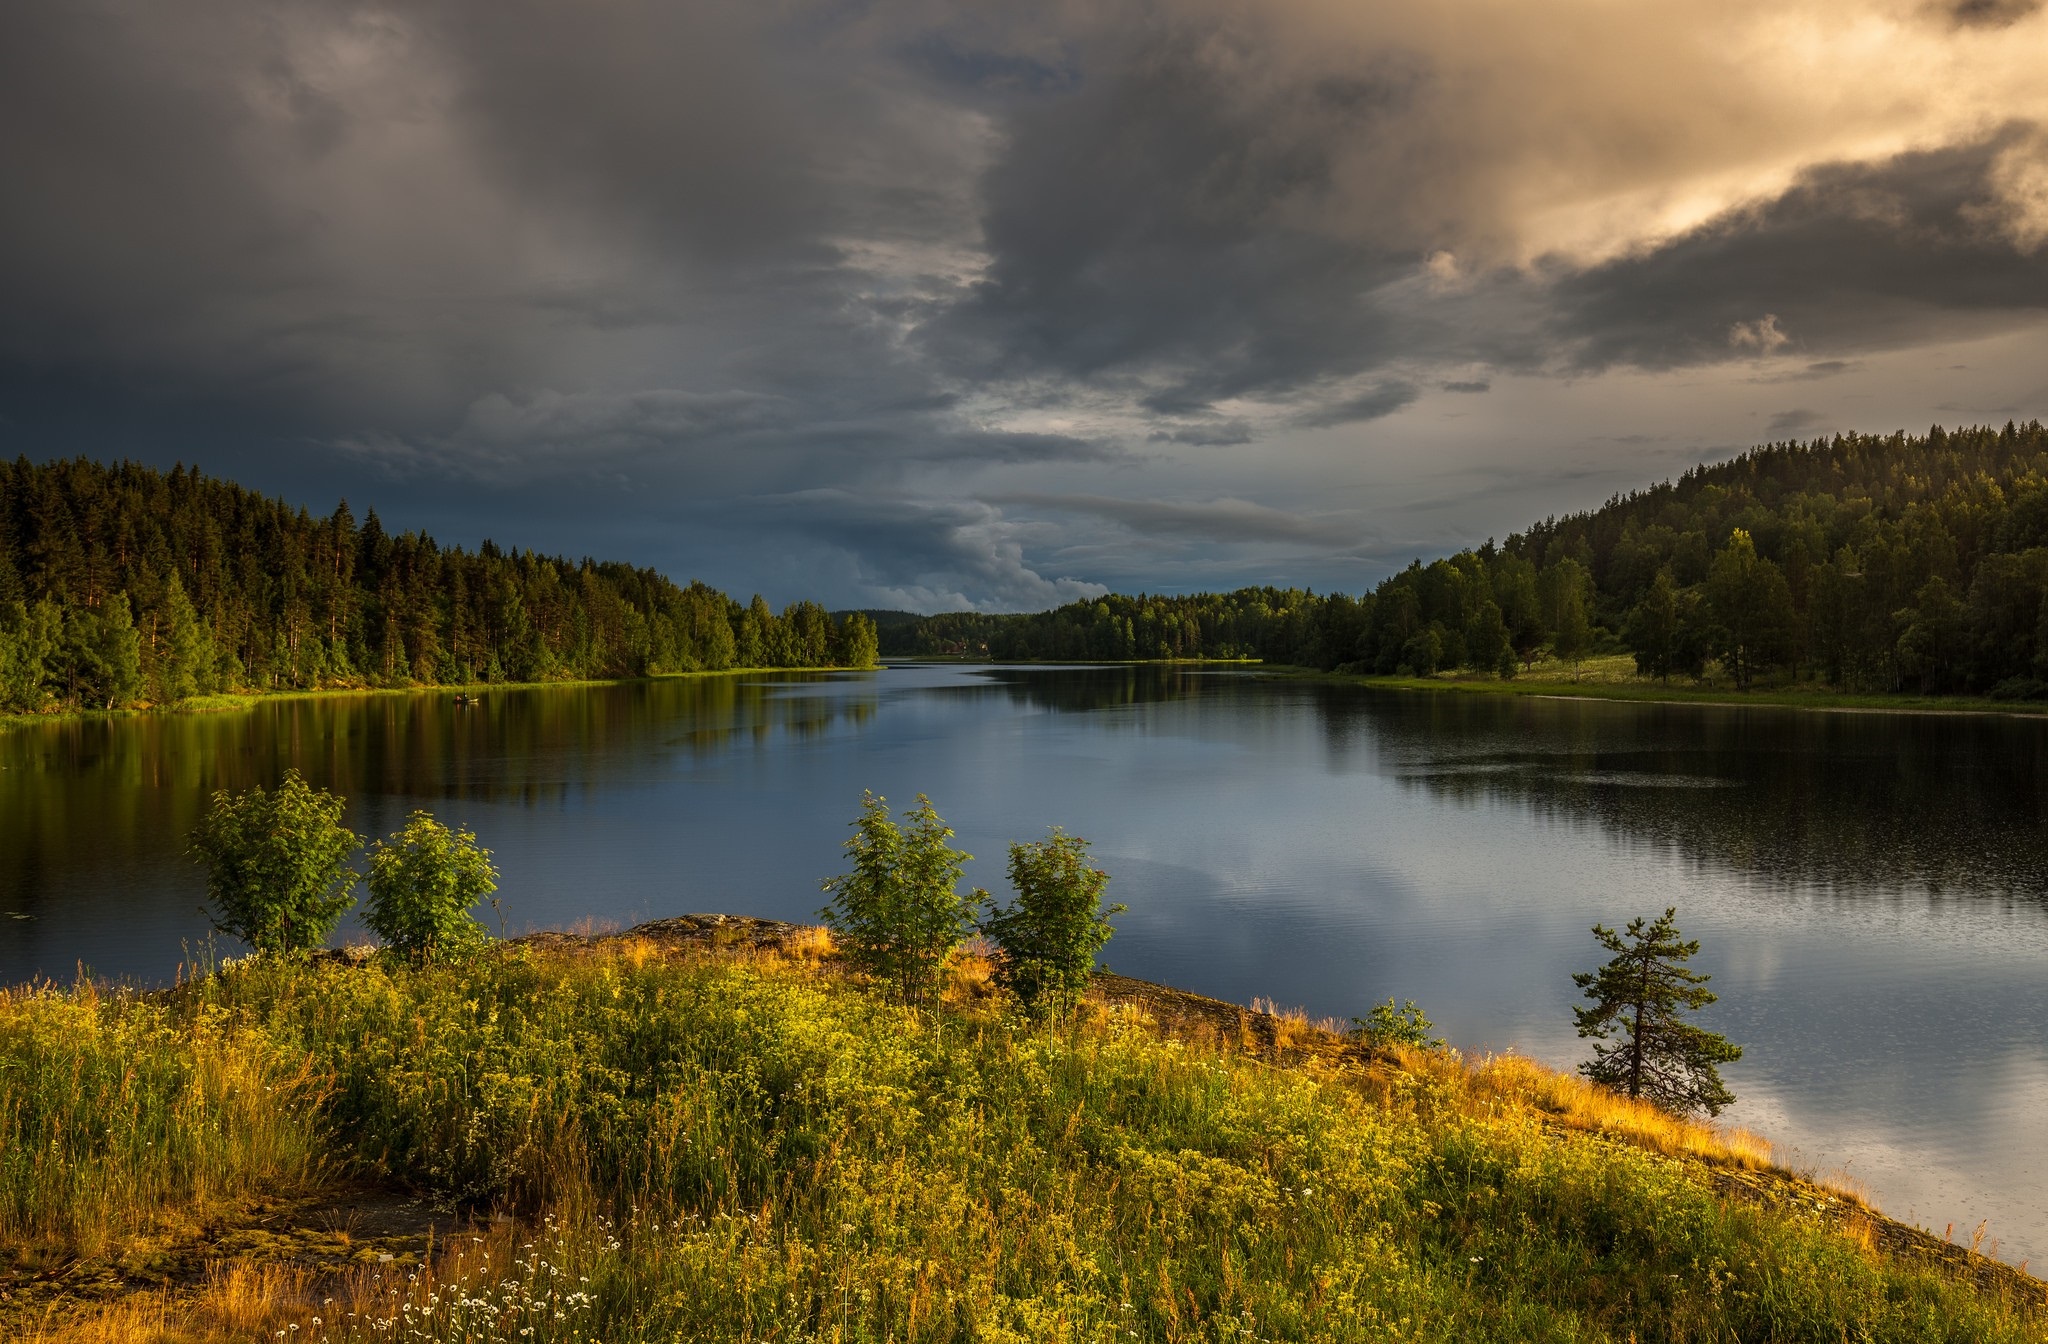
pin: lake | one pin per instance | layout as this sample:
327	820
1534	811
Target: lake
1871	889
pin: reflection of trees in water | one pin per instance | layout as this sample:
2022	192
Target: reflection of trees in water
136	786
1828	799
1081	690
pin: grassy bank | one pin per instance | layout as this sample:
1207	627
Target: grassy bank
746	1145
243	700
1614	678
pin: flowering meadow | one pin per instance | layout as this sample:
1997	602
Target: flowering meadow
663	1147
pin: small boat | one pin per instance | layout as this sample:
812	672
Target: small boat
464	700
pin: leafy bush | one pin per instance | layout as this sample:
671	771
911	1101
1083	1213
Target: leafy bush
1049	938
423	883
1387	1025
898	914
277	864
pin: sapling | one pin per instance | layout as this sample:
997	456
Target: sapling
277	864
899	914
424	881
1048	939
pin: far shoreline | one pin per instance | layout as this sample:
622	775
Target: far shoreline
1546	687
228	702
1540	688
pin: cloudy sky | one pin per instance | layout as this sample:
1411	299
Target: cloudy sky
916	304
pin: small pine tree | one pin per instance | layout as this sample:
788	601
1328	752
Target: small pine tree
1049	938
423	882
1637	999
277	864
898	914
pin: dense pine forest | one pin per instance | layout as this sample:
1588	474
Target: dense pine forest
1865	563
123	585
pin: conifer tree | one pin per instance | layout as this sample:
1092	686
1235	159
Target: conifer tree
1647	1051
189	668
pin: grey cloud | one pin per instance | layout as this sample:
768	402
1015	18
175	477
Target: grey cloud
1219	433
1790	422
1381	399
1468	385
1814	372
1853	257
1223	520
1986	13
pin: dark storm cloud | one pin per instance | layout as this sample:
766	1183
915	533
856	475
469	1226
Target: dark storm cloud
820	281
1853	257
1160	223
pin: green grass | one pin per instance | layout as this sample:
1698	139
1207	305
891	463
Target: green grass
759	1149
1613	677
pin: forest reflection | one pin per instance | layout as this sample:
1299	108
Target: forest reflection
1942	803
119	787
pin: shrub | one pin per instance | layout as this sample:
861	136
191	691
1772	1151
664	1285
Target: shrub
898	914
423	883
1387	1025
277	864
1049	938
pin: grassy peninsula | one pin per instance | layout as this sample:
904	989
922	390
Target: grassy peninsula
707	1130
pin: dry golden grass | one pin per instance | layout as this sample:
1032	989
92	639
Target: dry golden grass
1579	1104
1293	1029
808	946
236	1303
970	974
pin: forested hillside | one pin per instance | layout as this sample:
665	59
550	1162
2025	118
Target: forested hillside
1868	563
121	585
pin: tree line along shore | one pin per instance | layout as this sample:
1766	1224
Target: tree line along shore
122	585
1895	565
1869	567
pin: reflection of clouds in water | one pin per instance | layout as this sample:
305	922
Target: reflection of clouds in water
1918	1167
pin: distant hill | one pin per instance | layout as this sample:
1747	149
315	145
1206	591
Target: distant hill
122	584
1871	563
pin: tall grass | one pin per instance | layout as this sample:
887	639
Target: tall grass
746	1149
120	1116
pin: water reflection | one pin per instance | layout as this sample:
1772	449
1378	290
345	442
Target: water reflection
1843	801
1872	890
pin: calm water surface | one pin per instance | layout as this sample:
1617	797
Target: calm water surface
1872	890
